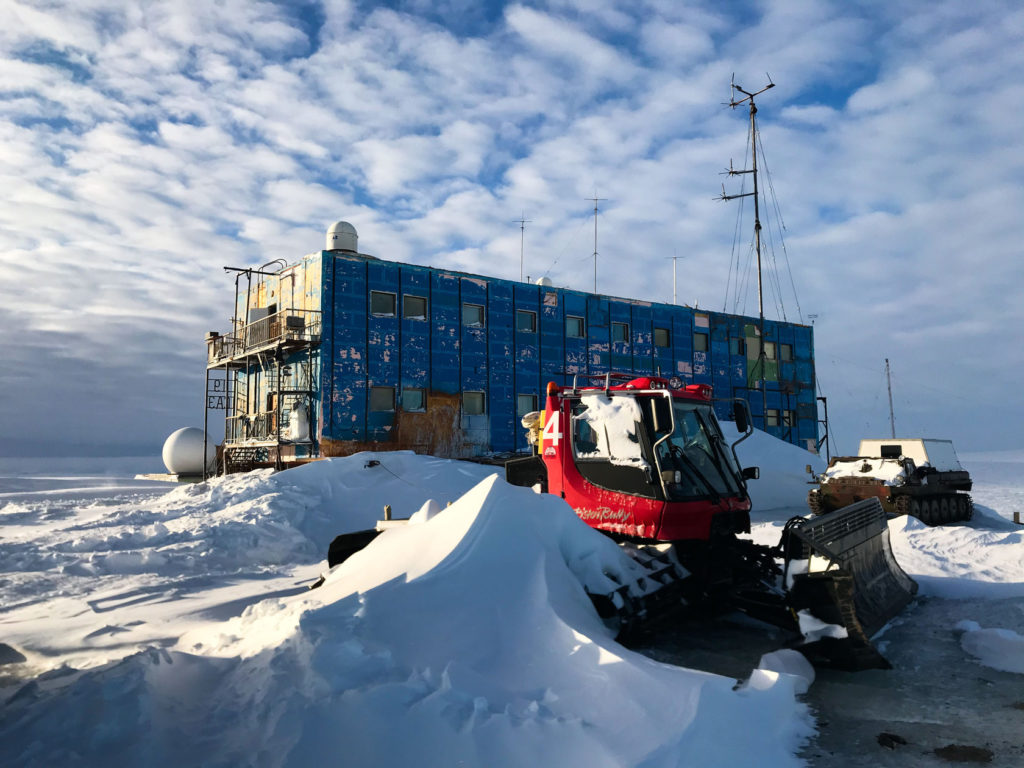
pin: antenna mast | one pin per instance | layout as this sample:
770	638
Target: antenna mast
734	102
523	221
595	201
892	419
674	260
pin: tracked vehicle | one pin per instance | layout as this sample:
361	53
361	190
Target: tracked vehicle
909	476
646	463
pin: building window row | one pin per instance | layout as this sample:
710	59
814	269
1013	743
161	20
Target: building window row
414	400
772	419
785	352
385	304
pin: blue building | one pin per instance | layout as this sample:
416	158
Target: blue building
342	352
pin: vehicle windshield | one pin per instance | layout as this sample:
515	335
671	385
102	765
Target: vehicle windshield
697	451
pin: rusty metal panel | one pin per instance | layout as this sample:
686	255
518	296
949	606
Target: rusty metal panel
437	432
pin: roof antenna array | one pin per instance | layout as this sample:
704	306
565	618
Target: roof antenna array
748	97
595	199
522	221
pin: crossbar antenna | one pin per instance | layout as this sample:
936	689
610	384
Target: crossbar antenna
595	200
748	97
523	221
674	260
888	382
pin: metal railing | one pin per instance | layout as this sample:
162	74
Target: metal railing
271	425
255	427
287	325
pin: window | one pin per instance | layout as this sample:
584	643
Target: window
472	403
620	332
574	327
414	399
382	304
473	315
700	342
414	307
773	417
786	351
525	404
787	419
526	321
382	399
662	338
769	350
737	346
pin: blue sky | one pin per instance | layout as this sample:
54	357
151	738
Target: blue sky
143	146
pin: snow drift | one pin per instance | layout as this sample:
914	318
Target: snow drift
465	639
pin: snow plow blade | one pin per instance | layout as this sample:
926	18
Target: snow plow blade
347	544
853	581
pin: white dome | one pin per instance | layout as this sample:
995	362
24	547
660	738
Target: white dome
342	236
544	282
183	452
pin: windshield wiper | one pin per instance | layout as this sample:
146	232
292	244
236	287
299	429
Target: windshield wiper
715	454
677	452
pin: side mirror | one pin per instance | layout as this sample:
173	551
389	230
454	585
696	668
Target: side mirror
741	415
661	413
751	473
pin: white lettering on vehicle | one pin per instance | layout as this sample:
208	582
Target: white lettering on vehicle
603	514
551	433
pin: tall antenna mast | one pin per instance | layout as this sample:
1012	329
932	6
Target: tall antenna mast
523	221
595	201
674	260
892	419
734	102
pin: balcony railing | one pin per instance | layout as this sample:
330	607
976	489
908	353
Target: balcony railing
288	325
256	427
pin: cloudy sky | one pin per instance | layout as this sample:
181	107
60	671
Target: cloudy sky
145	145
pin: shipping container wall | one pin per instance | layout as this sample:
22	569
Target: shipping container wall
448	363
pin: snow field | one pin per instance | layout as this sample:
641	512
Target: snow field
178	629
464	637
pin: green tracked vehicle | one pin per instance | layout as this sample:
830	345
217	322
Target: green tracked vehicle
910	476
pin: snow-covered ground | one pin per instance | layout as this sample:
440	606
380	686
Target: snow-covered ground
147	626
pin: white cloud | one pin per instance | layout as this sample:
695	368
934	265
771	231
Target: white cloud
561	40
899	90
144	146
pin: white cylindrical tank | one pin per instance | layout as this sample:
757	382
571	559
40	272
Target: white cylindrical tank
342	236
298	423
183	452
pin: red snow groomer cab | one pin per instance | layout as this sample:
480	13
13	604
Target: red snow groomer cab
647	463
638	458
